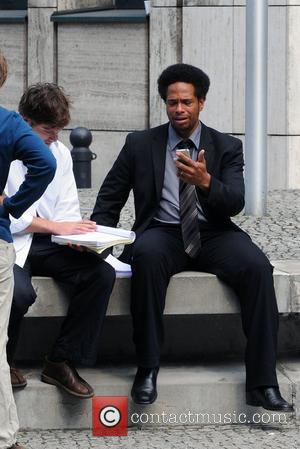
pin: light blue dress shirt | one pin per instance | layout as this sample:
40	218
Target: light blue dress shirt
168	211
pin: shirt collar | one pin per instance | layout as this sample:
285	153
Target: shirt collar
174	138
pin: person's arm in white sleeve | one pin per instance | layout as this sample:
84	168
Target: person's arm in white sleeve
67	207
66	217
15	179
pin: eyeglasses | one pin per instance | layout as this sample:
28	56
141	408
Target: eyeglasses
46	130
51	132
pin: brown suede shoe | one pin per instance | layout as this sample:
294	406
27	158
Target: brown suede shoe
17	379
65	376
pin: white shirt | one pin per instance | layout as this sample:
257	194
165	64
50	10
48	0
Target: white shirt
58	203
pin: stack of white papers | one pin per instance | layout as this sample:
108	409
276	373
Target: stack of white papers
104	237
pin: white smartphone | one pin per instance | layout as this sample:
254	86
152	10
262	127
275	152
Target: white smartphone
184	151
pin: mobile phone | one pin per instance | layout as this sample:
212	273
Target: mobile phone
184	151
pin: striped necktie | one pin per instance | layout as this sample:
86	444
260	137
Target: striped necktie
188	211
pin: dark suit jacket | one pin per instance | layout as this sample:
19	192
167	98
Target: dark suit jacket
141	164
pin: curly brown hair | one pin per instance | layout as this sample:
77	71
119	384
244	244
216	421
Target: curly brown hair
3	69
45	103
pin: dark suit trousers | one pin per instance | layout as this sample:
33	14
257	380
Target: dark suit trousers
158	254
88	282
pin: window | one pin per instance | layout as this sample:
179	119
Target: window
13	4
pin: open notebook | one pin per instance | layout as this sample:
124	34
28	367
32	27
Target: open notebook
104	237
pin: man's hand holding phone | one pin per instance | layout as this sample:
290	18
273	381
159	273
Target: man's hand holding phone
184	151
193	172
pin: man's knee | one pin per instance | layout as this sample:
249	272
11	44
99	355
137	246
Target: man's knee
148	256
104	274
23	298
258	265
24	294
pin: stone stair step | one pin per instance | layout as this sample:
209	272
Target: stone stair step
213	391
188	293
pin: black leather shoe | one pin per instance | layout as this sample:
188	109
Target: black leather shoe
268	398
144	386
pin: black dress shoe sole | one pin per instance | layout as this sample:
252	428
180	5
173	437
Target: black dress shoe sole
144	402
136	401
50	380
255	403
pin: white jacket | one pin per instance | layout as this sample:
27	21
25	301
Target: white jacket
58	203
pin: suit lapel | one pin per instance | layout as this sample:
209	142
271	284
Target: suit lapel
206	144
158	148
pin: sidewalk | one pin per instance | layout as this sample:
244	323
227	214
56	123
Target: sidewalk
206	437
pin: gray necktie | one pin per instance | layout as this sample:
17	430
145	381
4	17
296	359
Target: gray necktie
188	212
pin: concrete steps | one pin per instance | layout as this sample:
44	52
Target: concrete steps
188	293
213	391
201	318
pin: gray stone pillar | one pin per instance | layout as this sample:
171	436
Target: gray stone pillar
165	48
41	41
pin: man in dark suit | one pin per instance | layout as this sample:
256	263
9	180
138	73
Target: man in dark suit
183	204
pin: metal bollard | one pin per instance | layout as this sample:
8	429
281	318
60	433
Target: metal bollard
82	156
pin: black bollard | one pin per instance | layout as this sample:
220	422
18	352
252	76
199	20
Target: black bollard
82	156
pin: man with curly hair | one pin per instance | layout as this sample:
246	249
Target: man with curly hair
187	181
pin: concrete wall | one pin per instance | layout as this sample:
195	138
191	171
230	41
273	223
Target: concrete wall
13	46
110	71
211	34
102	66
77	4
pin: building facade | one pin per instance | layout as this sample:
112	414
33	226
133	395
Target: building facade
108	60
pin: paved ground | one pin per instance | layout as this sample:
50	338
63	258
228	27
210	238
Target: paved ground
206	437
277	233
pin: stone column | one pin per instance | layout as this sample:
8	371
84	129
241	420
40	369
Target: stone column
41	41
165	48
293	95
